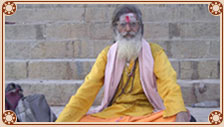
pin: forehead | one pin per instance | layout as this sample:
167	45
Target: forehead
128	17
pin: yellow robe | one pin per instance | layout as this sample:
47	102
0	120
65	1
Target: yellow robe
133	104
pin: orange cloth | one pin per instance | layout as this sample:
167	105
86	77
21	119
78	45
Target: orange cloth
154	117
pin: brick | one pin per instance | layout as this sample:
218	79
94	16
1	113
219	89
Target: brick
17	50
52	50
88	48
187	70
156	30
188	93
189	49
207	91
199	30
47	15
157	14
100	31
66	31
58	70
202	13
110	13
193	14
24	32
81	69
15	70
96	14
49	70
214	50
199	91
83	49
172	13
174	30
98	46
208	69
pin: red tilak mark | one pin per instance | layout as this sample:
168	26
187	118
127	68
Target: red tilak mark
127	19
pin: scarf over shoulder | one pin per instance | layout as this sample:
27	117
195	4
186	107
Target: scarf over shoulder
113	73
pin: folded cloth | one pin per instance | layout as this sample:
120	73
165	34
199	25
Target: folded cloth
153	117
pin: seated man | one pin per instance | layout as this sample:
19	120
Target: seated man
139	81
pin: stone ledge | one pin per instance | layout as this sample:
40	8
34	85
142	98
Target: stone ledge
58	92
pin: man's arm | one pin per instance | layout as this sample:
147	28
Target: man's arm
167	86
80	103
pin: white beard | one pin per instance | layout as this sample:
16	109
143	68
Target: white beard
128	49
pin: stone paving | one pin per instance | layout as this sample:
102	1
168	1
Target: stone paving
201	114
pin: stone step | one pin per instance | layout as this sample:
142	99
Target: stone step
77	69
58	92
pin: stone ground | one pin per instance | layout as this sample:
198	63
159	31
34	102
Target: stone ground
201	114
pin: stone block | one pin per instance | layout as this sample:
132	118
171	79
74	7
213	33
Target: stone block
58	70
80	69
203	69
99	45
96	14
15	70
24	32
172	13
59	49
19	50
200	91
202	13
100	31
46	15
157	14
199	30
209	69
189	49
174	30
88	48
195	13
110	13
214	50
66	31
83	49
207	91
40	70
188	93
156	30
188	70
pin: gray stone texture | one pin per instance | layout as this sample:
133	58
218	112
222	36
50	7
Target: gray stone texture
60	42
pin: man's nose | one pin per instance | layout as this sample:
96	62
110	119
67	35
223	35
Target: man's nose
127	27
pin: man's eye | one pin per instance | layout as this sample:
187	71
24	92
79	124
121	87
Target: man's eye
123	24
133	24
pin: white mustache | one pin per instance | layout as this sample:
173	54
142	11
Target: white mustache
130	33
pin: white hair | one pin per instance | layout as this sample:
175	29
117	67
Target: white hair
128	48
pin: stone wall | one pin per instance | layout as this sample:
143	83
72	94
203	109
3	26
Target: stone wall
50	48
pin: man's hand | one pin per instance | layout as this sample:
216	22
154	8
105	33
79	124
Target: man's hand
183	117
